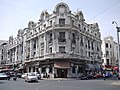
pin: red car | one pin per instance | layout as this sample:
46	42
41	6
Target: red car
97	76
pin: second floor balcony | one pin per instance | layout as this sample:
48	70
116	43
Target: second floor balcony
58	55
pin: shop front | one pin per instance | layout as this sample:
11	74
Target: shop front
61	69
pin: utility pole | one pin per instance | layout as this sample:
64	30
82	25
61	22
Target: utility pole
118	30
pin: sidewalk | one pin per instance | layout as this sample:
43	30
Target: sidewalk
58	79
116	83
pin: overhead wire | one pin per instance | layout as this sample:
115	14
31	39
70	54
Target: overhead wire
105	10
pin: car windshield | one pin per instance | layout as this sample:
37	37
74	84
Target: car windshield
31	74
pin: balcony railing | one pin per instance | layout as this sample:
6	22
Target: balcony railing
63	55
58	55
62	26
61	40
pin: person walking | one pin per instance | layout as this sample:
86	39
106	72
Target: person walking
104	76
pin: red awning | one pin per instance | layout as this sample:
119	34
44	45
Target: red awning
61	64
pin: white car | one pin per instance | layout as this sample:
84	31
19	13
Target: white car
38	75
31	77
23	75
3	76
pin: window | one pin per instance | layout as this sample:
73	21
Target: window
73	38
97	48
92	45
79	26
73	69
95	34
88	44
42	45
80	70
81	41
50	70
2	51
107	53
39	28
61	22
51	23
73	49
84	29
42	36
106	45
50	38
34	44
110	46
43	69
34	69
29	69
44	25
81	51
61	37
88	30
50	50
72	22
89	54
1	57
42	51
62	49
107	61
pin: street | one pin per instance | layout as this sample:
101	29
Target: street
20	84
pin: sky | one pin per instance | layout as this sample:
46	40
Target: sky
15	14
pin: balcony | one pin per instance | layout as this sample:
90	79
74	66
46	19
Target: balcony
58	55
61	40
74	27
65	26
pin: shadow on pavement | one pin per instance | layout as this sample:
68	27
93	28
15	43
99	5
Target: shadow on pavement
2	82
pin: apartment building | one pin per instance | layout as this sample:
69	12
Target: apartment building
110	53
60	44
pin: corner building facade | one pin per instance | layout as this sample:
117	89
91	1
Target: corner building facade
61	44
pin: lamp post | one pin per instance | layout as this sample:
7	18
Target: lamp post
118	30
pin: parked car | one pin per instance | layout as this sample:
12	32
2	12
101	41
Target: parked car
19	75
23	75
83	77
97	76
31	77
86	77
38	75
118	77
3	76
89	76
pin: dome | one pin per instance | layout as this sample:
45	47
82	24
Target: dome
61	7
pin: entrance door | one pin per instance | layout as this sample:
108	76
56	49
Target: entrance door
62	73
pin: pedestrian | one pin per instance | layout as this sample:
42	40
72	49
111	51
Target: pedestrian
104	76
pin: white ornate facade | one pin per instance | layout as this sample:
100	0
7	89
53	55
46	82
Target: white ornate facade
110	53
60	44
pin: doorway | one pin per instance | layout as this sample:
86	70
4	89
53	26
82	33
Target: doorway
62	73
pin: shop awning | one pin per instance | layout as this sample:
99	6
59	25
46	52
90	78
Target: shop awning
90	67
97	66
62	64
6	69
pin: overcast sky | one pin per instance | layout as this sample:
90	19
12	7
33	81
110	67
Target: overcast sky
15	14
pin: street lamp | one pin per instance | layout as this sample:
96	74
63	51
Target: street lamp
118	30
